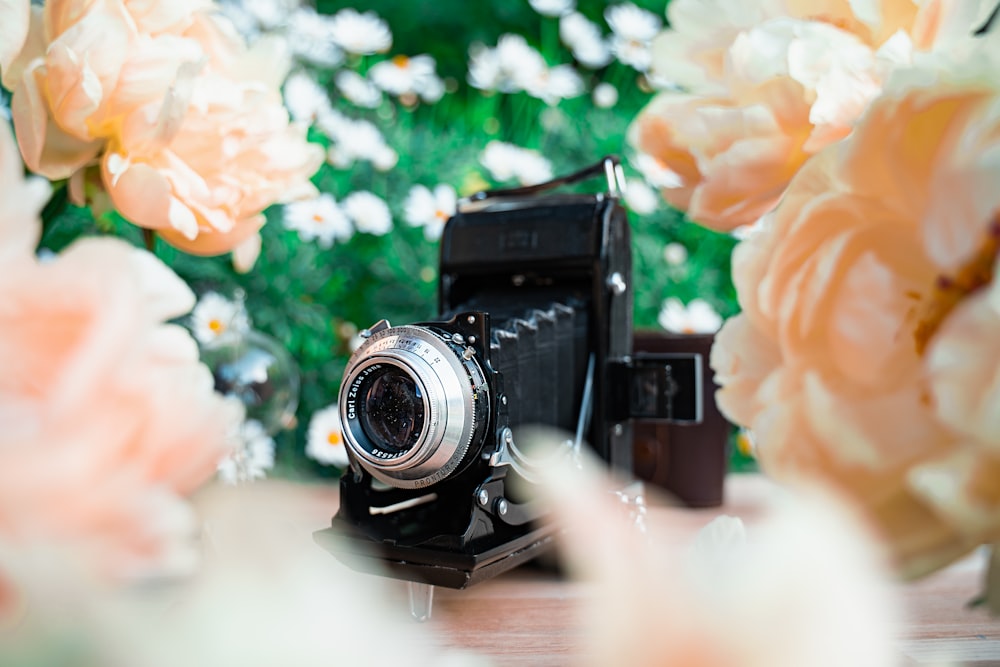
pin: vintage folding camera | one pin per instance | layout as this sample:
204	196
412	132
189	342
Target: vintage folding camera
535	329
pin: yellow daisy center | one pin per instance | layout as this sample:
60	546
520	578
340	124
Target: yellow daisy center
333	439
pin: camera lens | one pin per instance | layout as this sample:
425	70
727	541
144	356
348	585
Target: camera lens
393	414
413	403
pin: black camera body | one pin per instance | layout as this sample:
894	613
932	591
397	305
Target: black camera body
535	329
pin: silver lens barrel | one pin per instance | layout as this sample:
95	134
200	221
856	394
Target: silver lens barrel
444	404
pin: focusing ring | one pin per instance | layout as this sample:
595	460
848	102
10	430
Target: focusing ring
455	403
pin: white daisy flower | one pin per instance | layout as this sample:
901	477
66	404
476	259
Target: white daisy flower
404	76
640	197
430	209
506	161
655	172
698	316
552	85
633	29
552	7
519	62
305	99
605	95
214	315
362	34
357	89
675	254
251	457
325	441
584	40
355	140
368	212
310	36
333	123
319	218
485	72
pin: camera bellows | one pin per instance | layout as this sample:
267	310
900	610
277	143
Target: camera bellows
541	354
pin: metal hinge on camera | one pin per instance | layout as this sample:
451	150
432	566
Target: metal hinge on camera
657	386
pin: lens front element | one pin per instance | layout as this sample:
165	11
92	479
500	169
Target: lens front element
393	414
412	403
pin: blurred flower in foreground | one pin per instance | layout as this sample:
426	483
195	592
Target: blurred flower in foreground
109	420
430	209
164	86
764	85
506	161
869	306
697	316
325	440
265	596
214	315
320	218
802	585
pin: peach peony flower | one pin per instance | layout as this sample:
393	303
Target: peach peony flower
858	358
109	419
763	85
663	599
187	122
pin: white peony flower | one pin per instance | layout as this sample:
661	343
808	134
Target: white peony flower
362	34
357	89
430	209
252	456
552	7
368	212
405	76
506	161
325	441
584	40
319	219
633	30
696	317
215	315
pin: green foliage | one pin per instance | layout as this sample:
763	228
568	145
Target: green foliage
313	299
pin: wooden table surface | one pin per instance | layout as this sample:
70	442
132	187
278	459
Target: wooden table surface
528	616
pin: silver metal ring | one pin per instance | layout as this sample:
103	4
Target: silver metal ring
450	385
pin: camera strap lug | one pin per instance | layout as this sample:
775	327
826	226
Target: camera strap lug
657	386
